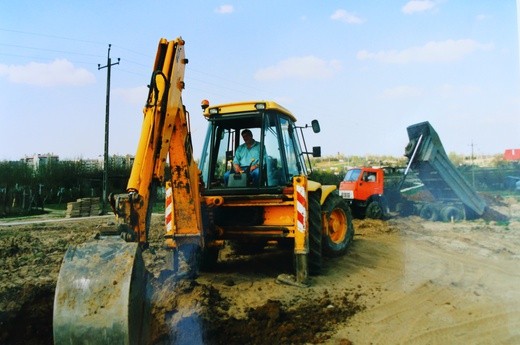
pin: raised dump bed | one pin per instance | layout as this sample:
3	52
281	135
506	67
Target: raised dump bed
455	198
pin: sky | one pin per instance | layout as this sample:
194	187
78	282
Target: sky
366	69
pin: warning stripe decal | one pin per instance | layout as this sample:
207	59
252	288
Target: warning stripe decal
168	210
301	207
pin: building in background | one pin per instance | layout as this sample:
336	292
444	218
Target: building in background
40	159
512	155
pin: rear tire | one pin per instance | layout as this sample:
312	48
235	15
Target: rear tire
429	212
339	231
451	212
315	237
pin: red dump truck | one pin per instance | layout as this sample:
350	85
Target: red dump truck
447	196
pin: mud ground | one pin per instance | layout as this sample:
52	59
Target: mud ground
404	281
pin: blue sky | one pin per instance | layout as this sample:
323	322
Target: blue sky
366	69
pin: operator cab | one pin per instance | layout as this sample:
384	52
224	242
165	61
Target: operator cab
272	126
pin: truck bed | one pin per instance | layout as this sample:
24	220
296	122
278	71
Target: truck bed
438	173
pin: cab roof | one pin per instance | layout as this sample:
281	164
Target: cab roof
244	107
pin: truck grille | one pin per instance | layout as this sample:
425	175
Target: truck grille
346	194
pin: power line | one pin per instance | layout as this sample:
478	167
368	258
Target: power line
219	84
51	36
49	50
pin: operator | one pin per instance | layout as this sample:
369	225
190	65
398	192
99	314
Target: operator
246	157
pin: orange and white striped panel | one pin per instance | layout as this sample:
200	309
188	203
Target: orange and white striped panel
168	209
301	208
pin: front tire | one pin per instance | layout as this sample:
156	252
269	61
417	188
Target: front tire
339	231
375	210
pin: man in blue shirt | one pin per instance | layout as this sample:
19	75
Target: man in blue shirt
247	157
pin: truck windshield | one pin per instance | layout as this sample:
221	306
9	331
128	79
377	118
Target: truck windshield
352	175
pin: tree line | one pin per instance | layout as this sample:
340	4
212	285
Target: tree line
24	189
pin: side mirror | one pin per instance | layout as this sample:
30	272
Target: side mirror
316	151
315	126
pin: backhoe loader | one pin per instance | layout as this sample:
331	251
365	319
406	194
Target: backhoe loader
100	291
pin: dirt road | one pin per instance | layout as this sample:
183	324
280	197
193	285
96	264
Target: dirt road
404	281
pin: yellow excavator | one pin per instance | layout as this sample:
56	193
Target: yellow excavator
100	292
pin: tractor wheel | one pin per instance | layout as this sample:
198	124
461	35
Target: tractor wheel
315	237
450	213
429	212
338	227
374	210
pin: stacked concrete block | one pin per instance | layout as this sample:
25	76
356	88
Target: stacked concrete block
84	207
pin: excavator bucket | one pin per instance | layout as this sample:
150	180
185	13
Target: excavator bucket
100	294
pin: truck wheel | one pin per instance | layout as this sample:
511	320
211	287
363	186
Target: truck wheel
374	210
315	237
338	227
429	212
451	212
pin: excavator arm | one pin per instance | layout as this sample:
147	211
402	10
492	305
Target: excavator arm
165	133
101	287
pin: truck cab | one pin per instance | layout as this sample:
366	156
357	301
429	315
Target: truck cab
363	188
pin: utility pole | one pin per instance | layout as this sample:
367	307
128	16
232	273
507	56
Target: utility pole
472	167
108	66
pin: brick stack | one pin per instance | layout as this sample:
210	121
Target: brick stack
84	207
94	206
73	210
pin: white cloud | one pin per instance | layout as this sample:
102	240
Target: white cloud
402	91
58	72
445	51
418	6
225	9
456	91
303	68
346	17
136	95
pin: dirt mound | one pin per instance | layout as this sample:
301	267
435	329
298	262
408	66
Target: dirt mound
277	323
368	227
493	215
197	313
